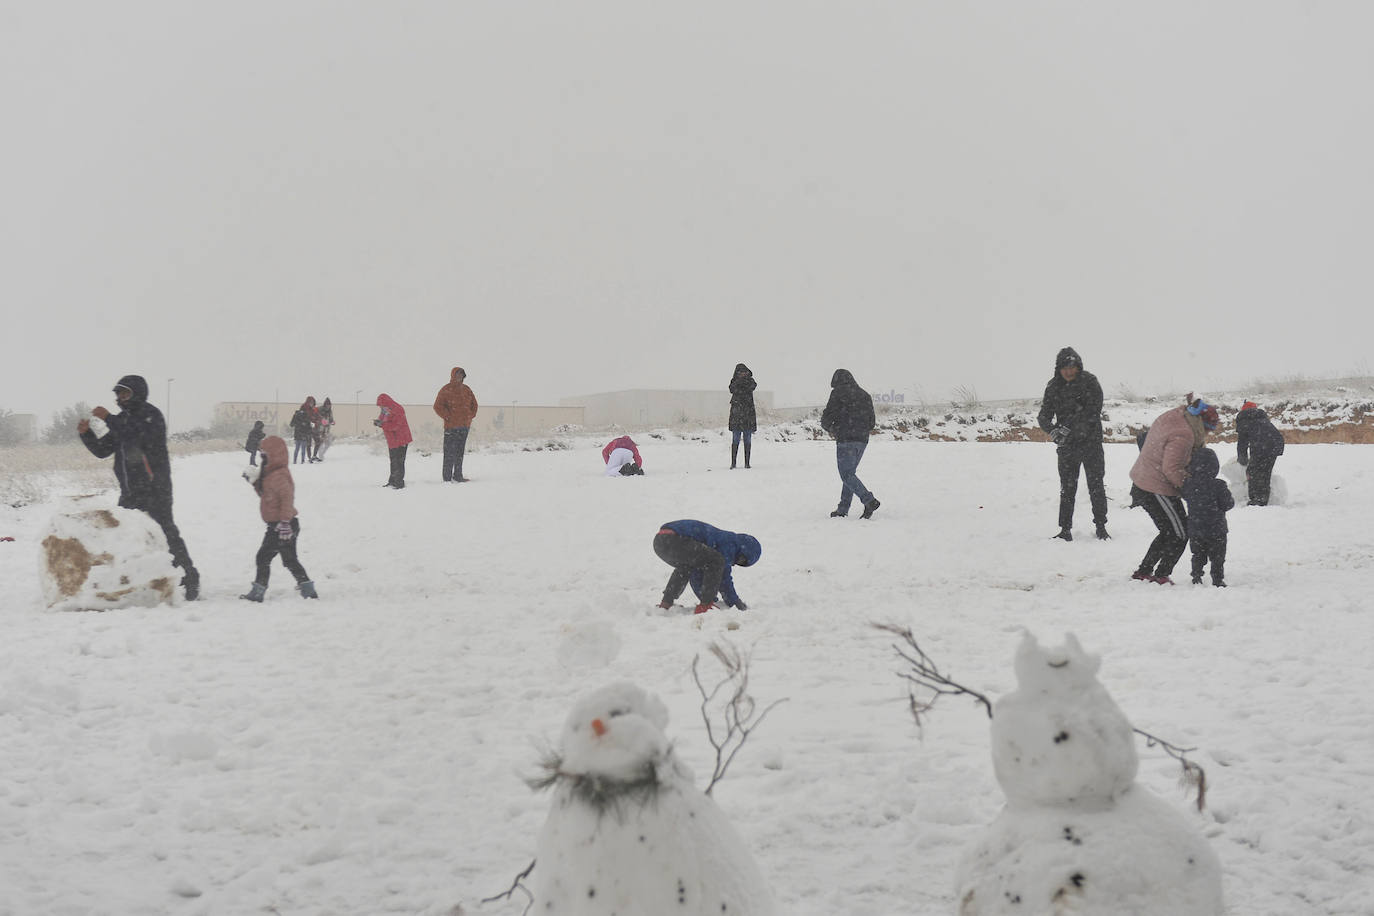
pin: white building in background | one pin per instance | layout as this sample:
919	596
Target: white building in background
650	407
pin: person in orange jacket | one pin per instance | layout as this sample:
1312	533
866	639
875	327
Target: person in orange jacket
457	407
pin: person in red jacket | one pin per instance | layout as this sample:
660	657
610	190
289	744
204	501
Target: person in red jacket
622	457
277	506
392	420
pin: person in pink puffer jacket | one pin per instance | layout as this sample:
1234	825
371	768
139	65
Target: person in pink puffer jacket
392	420
1157	482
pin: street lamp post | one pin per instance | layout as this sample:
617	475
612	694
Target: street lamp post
168	417
357	414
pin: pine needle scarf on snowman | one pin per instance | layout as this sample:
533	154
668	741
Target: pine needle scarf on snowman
603	793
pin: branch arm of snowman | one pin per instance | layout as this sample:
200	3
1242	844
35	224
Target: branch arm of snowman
739	712
925	675
509	893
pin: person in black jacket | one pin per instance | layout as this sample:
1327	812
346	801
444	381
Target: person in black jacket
743	420
1071	412
1258	445
848	416
1209	499
303	430
255	437
137	437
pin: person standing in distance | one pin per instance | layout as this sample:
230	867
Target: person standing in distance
743	419
392	421
848	416
456	406
137	437
1071	412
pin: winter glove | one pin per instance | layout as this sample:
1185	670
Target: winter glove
739	605
284	531
376	422
1059	435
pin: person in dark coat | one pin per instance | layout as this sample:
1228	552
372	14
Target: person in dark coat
1258	445
848	416
1209	499
137	437
702	555
1071	412
303	430
743	419
255	437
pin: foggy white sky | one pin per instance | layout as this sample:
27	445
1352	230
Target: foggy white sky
266	199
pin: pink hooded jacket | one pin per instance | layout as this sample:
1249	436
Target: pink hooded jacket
394	423
276	489
1164	457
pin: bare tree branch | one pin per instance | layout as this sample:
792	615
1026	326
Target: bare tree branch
1193	775
739	712
925	675
515	885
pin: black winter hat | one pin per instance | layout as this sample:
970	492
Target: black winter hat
1067	357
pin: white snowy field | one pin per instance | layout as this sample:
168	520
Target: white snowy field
363	753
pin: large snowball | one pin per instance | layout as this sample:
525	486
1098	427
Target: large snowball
99	559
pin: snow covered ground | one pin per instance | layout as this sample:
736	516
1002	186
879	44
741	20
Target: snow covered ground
363	753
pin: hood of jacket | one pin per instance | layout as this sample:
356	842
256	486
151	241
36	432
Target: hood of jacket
750	549
842	378
741	367
457	375
385	400
137	387
257	426
1067	357
275	453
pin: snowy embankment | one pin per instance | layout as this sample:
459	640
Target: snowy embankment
363	753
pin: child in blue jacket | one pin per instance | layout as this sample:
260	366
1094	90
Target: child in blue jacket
1209	499
703	556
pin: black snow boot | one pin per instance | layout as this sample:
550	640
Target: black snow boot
870	507
1064	535
1102	534
747	447
734	454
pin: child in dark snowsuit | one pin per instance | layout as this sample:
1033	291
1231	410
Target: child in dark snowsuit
703	556
1209	499
276	503
255	437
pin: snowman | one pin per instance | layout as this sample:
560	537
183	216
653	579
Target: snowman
1078	835
628	832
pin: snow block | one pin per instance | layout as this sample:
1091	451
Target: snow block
100	559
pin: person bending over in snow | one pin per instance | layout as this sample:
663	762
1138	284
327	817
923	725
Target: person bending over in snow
1209	499
276	503
622	458
703	555
1258	445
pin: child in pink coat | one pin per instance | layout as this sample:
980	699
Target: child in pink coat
392	420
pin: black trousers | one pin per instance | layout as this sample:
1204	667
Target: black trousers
398	467
181	557
455	443
1171	518
1091	459
272	545
1258	474
686	556
1204	549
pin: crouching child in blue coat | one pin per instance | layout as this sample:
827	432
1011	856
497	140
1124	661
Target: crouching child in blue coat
703	555
1209	499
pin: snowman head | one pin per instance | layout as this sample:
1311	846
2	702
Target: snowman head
1059	737
615	733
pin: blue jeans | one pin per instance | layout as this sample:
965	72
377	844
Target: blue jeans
847	457
455	442
735	435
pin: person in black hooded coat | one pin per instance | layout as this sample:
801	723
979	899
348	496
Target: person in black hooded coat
743	420
1071	412
848	416
255	437
1258	445
137	437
